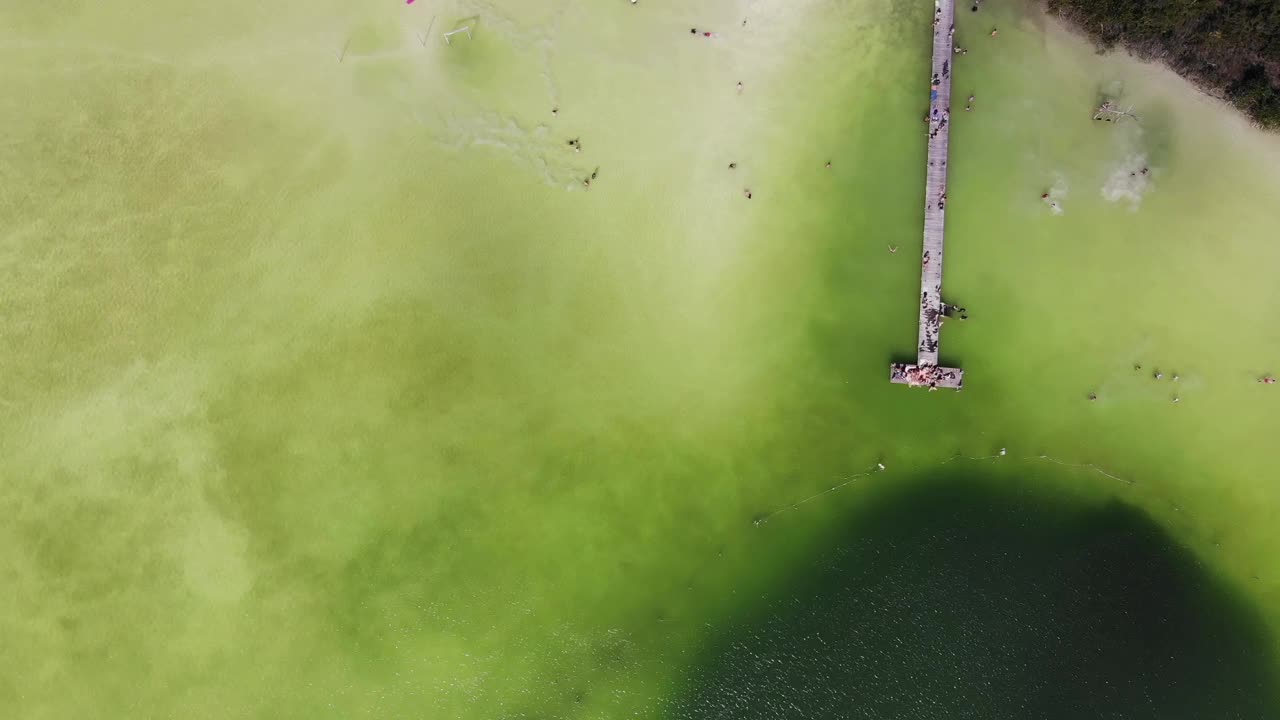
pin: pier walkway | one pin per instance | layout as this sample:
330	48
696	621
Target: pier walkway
926	372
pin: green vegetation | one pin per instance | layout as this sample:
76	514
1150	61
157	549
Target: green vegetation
1232	47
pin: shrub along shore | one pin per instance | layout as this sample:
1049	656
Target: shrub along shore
1231	49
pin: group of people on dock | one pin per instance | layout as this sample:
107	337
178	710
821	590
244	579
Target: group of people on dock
930	376
932	311
938	117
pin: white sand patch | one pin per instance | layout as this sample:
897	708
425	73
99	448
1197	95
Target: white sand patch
1129	181
1058	192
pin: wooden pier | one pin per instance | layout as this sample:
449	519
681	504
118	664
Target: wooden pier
925	372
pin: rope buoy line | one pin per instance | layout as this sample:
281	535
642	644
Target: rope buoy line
881	468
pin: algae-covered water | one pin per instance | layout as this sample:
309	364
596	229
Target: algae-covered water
329	389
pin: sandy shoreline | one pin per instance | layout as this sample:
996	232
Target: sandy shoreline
1183	93
1061	27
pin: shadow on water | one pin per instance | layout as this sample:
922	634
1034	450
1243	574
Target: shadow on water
956	599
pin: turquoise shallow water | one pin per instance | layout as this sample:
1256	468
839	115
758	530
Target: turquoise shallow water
330	390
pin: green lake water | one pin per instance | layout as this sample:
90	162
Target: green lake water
329	390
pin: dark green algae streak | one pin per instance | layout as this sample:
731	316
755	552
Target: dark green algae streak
964	596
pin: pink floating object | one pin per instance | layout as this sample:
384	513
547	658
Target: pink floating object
408	2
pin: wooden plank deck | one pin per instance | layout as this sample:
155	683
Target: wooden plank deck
934	212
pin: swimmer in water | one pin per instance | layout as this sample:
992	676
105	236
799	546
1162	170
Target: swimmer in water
733	166
994	32
739	87
747	192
